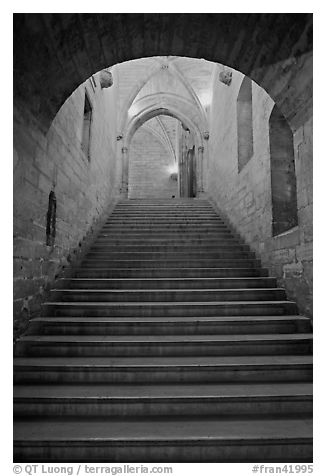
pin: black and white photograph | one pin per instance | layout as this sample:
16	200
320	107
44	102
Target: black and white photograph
162	240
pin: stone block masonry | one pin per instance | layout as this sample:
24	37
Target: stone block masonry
246	197
150	165
84	188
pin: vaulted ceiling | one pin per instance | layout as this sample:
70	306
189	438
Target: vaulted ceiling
168	82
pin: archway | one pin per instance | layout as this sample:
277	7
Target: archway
72	46
190	162
190	177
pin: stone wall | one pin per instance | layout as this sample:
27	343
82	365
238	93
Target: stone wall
84	188
245	197
150	167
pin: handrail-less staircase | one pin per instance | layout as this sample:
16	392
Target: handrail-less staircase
170	343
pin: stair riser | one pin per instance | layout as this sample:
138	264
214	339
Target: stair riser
200	263
166	247
174	216
158	349
162	375
134	310
143	229
169	273
124	243
170	296
168	283
167	207
161	219
191	451
167	240
156	407
163	234
170	255
158	328
173	225
169	204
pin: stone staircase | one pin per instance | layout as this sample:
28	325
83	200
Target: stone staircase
169	344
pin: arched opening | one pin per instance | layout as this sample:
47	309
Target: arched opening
72	46
244	123
153	159
87	124
165	118
162	160
283	176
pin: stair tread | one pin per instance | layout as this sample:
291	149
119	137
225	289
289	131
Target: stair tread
164	259
163	280
162	429
176	290
164	303
167	269
167	338
238	361
172	319
164	391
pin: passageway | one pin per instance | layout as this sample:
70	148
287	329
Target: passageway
162	160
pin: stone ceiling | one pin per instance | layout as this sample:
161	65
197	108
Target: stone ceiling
186	79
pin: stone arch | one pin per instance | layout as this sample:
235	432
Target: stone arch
141	119
71	47
154	111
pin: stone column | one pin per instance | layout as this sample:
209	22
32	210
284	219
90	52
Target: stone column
125	170
200	180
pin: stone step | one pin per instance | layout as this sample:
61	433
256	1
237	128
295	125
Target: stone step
192	202
169	201
164	206
171	263
180	272
167	247
125	401
161	215
159	223
165	228
170	255
175	440
168	325
167	283
164	233
170	295
160	218
165	211
152	370
164	346
170	240
161	309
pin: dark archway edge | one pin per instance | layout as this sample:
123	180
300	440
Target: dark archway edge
55	53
